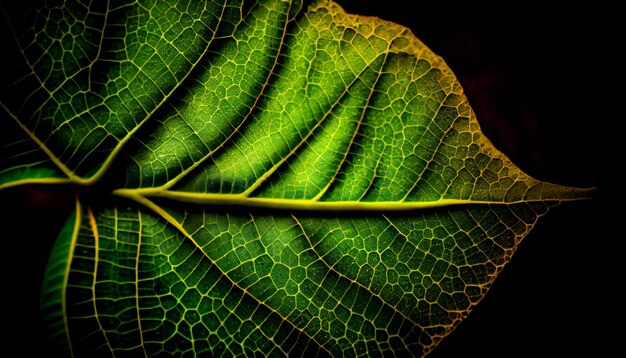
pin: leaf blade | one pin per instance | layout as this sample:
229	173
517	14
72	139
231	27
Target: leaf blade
286	161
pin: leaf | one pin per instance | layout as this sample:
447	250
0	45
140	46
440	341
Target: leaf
256	178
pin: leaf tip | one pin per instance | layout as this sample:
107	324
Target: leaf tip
558	192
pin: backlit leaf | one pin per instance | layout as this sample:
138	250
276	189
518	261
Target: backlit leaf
269	177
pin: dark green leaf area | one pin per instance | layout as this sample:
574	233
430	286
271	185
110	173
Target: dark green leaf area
283	284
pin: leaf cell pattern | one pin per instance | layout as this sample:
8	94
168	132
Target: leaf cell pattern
272	177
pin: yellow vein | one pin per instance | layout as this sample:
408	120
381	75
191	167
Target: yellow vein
310	205
393	225
440	141
139	234
354	134
372	180
96	239
43	147
51	181
379	158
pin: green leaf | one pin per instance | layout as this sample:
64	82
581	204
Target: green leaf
265	177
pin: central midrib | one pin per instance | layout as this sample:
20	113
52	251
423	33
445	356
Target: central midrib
220	199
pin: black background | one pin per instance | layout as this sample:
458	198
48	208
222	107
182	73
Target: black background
546	85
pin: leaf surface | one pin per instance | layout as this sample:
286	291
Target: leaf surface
270	177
